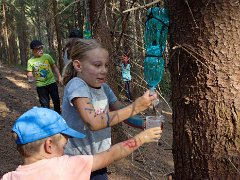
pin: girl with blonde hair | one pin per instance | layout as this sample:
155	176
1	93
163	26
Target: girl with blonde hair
89	104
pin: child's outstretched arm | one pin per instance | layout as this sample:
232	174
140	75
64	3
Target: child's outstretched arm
101	121
123	149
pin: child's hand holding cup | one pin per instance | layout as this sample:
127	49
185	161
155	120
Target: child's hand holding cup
155	121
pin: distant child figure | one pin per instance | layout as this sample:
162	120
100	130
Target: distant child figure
74	35
126	76
40	67
41	135
90	106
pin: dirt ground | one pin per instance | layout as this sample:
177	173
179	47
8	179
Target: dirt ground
152	161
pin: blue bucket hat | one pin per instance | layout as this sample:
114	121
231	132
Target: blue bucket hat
38	123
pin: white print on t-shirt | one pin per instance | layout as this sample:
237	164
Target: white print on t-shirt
100	106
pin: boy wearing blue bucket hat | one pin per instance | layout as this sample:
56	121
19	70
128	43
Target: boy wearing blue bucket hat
41	135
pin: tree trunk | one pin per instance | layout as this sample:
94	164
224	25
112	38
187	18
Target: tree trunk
205	71
39	19
80	16
58	30
5	30
12	38
49	17
1	46
21	32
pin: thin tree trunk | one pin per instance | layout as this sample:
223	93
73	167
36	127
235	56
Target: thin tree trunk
206	89
5	30
58	30
80	16
1	46
49	17
21	32
38	19
12	37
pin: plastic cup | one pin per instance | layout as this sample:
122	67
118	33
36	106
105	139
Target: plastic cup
154	121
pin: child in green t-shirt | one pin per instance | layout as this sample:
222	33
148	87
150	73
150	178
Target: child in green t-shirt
40	67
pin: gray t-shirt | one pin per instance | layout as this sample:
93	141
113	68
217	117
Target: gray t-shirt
95	141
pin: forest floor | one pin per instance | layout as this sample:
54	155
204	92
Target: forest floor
152	161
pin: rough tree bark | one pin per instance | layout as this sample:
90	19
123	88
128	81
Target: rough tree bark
206	92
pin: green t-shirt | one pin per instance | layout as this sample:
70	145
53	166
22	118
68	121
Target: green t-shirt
41	69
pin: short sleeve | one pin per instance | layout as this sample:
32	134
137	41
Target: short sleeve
77	88
110	94
63	167
51	61
79	167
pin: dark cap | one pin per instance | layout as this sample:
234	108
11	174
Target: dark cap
76	33
35	44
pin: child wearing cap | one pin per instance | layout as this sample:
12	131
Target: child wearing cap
41	135
40	68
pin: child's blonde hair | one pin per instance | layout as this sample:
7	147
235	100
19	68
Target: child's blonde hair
78	52
29	149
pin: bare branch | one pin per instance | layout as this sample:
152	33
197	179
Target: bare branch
68	6
140	7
